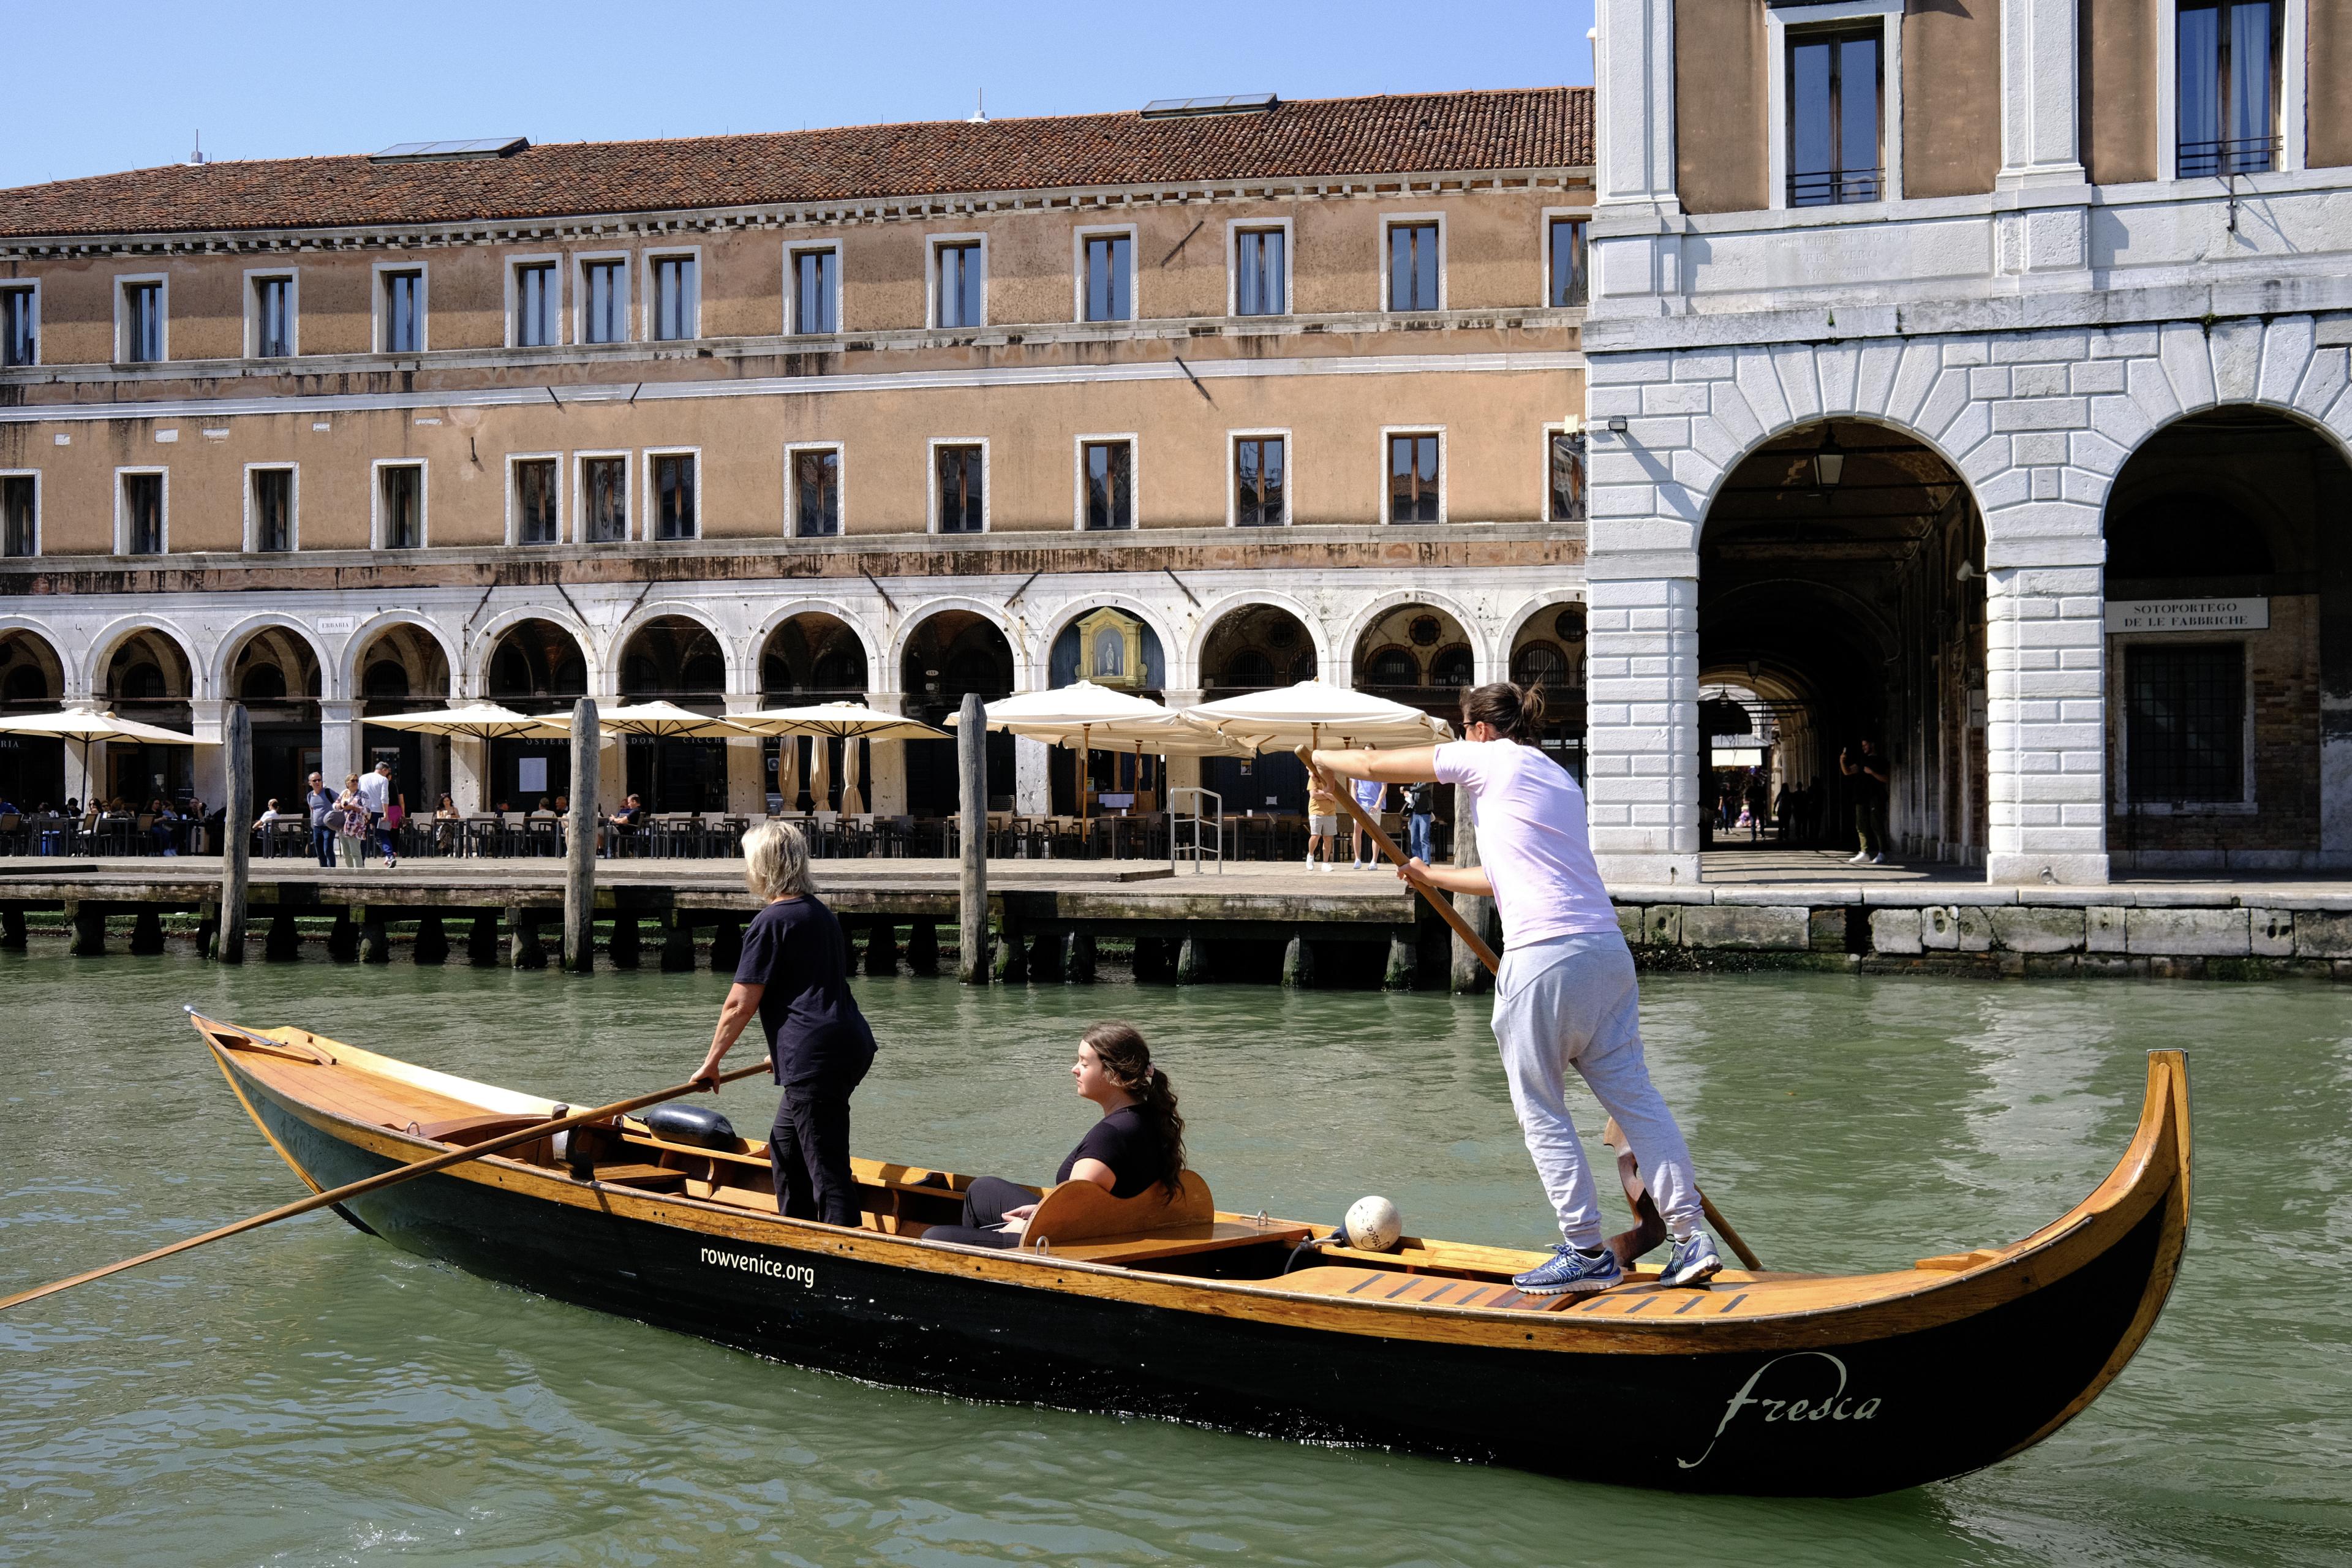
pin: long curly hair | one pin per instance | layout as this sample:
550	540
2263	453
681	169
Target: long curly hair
1127	1062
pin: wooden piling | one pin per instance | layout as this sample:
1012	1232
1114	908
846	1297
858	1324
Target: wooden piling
677	942
624	948
1298	964
89	920
236	832
432	943
1046	958
344	940
1469	974
580	851
1009	958
147	930
726	944
923	947
971	904
1079	967
207	929
882	948
12	937
284	944
1191	961
482	941
376	942
522	925
1403	971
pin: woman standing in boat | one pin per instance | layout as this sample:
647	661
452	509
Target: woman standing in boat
1566	995
794	974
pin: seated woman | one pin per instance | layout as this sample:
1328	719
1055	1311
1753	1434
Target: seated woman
1138	1143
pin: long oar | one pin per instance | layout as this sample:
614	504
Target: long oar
1370	825
382	1180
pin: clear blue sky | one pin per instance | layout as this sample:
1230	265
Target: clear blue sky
97	87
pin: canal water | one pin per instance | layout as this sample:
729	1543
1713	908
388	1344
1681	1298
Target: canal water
307	1394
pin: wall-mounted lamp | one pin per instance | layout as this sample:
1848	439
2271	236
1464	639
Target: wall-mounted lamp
1617	424
1752	667
1967	572
1828	463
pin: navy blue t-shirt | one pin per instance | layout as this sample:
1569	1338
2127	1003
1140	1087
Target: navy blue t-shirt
814	1030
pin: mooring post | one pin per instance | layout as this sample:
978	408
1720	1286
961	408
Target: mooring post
971	901
1191	961
1469	974
580	848
1298	963
236	833
1403	971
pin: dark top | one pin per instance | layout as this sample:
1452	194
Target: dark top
1420	799
814	1030
1122	1141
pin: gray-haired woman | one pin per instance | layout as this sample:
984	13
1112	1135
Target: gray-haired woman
795	976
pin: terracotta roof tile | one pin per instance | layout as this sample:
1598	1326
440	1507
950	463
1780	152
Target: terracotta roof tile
1525	128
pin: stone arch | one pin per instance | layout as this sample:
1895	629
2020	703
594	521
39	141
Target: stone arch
495	639
1070	611
1024	663
616	647
754	647
356	647
484	641
115	632
235	640
1371	613
45	655
1216	610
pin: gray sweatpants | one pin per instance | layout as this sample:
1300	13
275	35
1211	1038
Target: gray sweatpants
1572	1001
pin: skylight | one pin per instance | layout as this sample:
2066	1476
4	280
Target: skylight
427	151
1238	103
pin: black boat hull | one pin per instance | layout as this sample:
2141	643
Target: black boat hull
1815	1415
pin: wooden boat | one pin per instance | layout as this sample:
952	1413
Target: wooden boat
1767	1383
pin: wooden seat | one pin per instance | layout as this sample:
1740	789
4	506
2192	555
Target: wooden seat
651	1177
1080	1221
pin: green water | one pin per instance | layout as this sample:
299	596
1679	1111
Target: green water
307	1394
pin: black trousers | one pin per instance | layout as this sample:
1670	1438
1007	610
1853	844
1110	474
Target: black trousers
808	1151
985	1204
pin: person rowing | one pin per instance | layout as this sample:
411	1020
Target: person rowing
1138	1143
1566	994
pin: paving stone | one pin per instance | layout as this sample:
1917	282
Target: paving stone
1894	930
2038	929
1718	925
2186	933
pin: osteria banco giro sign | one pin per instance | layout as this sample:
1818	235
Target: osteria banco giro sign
2187	616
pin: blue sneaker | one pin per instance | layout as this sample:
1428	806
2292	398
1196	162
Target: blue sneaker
1693	1262
1569	1271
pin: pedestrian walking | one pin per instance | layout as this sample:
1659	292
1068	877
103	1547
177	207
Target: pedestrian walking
320	800
1420	820
1871	775
375	792
350	820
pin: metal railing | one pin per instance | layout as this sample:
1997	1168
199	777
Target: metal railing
1208	814
1835	187
2243	156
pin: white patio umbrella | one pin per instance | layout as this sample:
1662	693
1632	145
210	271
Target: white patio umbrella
853	780
1085	716
83	725
847	723
662	720
1314	713
472	722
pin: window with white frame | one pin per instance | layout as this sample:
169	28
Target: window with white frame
401	311
959	283
675	509
1261	493
1836	130
537	298
676	299
140	522
1106	483
1413	479
604	301
400	506
20	515
602	498
271	311
959	475
269	497
20	325
1107	263
1261	271
816	281
1567	281
538	518
1417	259
2227	57
813	503
141	330
1564	476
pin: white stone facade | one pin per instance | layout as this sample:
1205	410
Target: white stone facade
2033	337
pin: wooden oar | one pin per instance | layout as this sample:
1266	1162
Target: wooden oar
378	1181
1370	825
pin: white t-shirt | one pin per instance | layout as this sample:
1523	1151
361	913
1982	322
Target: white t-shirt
1531	839
374	791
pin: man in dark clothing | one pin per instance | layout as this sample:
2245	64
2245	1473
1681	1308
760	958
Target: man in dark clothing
1869	772
794	976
